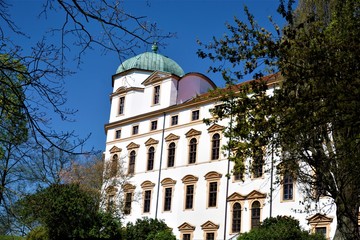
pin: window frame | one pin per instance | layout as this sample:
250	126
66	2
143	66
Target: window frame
132	162
212	194
153	125
156	95
168	191
236	218
121	105
189	197
167	184
174	120
187	181
133	129
192	150
117	133
212	198
195	115
255	214
258	162
287	188
147	194
171	154
150	159
215	146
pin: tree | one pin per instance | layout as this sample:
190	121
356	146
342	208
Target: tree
311	120
149	229
279	228
66	211
32	79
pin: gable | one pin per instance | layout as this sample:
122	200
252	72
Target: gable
151	141
115	149
156	77
209	225
186	227
255	195
236	197
215	128
192	132
132	145
319	218
171	137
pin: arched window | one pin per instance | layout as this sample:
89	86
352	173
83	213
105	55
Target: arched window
114	166
236	218
132	157
255	214
150	163
192	150
215	147
171	155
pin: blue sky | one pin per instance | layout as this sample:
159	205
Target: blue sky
89	89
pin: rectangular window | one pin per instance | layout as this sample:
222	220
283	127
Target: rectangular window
174	120
147	201
128	200
186	236
135	129
153	125
118	134
287	187
189	197
110	203
237	176
121	105
321	231
212	194
210	236
167	200
195	115
156	95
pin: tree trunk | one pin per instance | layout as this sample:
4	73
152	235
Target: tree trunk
347	219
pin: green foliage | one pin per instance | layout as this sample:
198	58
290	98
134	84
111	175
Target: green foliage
38	233
12	113
148	229
311	120
67	211
279	228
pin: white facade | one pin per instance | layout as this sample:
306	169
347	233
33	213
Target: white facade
212	194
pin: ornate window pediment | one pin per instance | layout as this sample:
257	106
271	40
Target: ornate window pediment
215	128
147	184
151	141
236	197
115	149
171	137
168	181
255	195
189	178
156	77
213	175
186	227
317	218
132	145
209	225
128	187
192	132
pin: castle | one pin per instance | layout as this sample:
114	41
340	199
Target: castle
175	168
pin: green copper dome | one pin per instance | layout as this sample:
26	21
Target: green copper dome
151	61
